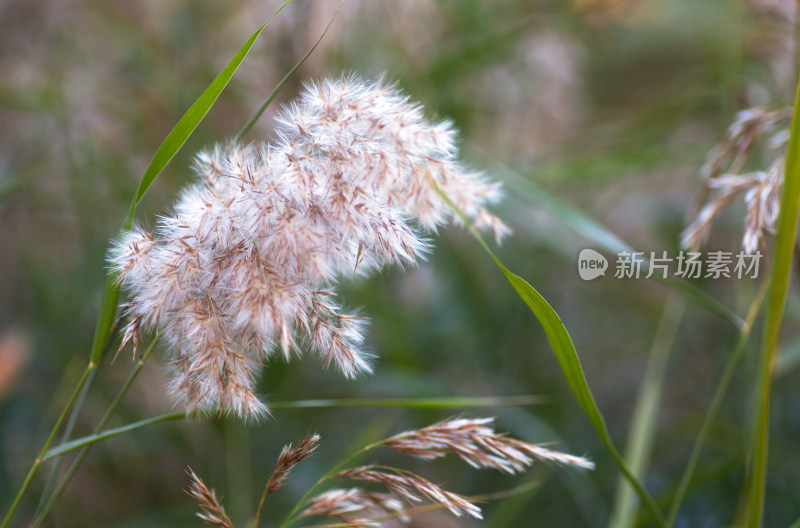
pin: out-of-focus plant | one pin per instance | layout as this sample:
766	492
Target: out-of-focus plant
180	274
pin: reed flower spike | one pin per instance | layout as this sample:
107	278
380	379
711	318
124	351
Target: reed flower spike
247	263
724	181
474	440
212	512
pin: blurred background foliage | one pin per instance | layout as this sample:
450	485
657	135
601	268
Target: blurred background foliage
610	105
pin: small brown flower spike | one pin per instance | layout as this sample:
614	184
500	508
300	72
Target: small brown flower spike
413	488
356	507
475	442
212	512
246	264
289	458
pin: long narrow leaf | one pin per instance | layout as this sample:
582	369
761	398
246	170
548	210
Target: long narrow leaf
593	231
642	430
109	433
716	403
570	364
412	403
454	402
169	147
252	121
567	356
785	237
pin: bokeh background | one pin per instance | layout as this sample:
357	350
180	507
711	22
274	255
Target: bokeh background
610	105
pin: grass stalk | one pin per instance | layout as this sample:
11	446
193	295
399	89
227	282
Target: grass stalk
406	403
566	355
41	457
76	411
50	501
453	402
246	128
786	234
110	433
643	424
716	403
68	428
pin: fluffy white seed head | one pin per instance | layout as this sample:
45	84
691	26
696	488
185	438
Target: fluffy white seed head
246	264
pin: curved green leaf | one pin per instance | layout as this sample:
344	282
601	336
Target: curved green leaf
108	433
644	423
169	147
409	403
567	357
566	354
598	234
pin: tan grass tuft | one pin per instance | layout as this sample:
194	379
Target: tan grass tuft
212	512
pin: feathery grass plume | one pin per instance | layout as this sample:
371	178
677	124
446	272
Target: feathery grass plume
212	512
356	507
288	459
471	439
247	262
475	442
413	488
723	180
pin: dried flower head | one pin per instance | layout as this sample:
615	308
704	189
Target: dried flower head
475	442
247	263
356	507
212	512
288	459
413	488
723	181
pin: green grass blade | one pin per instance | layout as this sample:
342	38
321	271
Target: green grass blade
192	118
596	233
454	402
783	251
105	319
39	459
570	364
65	436
716	403
412	403
109	433
566	355
166	151
246	128
641	434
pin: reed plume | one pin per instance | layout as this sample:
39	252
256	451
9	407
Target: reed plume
724	181
248	262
